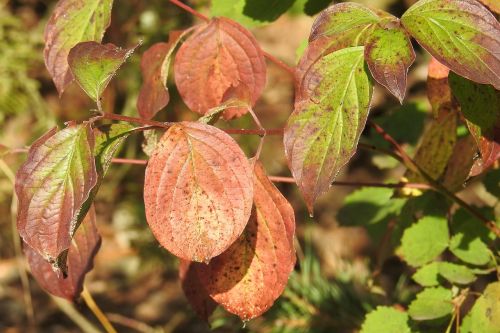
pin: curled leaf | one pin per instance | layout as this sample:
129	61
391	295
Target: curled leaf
80	261
93	65
155	63
197	191
219	56
461	34
72	22
323	131
248	277
52	185
389	54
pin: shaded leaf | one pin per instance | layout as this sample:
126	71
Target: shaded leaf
480	107
155	63
424	240
491	182
93	65
323	131
460	164
456	274
470	240
387	320
248	277
389	54
80	261
438	89
195	292
52	185
431	303
485	314
72	22
427	275
461	34
197	191
436	147
219	56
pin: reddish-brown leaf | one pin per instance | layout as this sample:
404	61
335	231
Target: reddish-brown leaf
438	89
253	272
72	22
460	164
195	292
197	191
219	56
80	261
52	185
154	94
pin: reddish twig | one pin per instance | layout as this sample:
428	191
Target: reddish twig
412	165
129	161
270	57
279	179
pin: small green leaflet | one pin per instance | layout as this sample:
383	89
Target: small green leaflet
427	275
72	22
323	131
387	320
424	240
94	65
431	303
485	314
432	274
389	54
461	34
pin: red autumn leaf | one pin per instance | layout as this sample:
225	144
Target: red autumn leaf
438	89
80	261
197	191
154	94
248	277
72	22
52	185
219	56
195	293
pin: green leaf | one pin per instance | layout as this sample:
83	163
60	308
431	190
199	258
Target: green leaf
387	320
251	13
371	207
52	185
470	239
431	303
424	240
461	34
323	131
479	105
492	182
485	314
456	274
72	22
427	275
389	54
93	65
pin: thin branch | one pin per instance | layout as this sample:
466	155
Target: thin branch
130	323
270	57
413	166
70	311
279	179
129	161
89	300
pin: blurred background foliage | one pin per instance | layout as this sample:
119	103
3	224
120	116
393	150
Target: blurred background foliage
346	265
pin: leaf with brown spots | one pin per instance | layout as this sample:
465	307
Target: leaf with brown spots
52	185
461	34
323	131
480	107
197	191
81	254
195	292
220	55
72	22
155	63
436	147
93	65
389	54
438	89
248	278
